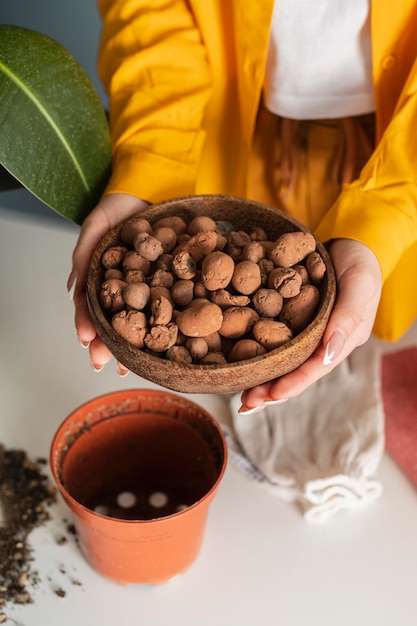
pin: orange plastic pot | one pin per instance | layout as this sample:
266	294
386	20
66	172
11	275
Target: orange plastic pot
139	470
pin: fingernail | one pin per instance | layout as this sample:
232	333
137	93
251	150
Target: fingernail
97	368
84	344
268	401
334	347
122	370
72	283
244	410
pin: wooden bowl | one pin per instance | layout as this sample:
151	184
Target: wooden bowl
232	377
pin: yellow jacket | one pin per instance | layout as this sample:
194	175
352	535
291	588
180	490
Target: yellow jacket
184	80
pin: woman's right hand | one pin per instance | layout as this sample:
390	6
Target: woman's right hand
111	210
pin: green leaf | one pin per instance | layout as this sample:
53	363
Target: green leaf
54	134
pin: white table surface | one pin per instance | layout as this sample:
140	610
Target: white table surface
261	563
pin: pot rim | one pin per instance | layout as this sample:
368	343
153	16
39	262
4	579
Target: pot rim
57	453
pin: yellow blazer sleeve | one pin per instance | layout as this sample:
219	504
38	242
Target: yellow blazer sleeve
154	68
380	208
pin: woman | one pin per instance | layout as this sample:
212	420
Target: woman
194	90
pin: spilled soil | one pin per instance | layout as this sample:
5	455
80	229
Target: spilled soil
25	495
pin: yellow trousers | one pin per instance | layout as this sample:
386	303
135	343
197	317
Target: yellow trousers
300	166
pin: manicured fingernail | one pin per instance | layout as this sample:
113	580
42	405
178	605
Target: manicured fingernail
97	368
72	283
334	347
244	410
122	370
268	401
84	344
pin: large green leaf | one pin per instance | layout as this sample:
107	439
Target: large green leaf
54	134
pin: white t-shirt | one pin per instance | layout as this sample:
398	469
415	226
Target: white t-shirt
319	59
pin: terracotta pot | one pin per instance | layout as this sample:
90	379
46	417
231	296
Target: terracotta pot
139	469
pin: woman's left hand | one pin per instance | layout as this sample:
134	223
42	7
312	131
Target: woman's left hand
359	283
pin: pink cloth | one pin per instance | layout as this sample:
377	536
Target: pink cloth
399	394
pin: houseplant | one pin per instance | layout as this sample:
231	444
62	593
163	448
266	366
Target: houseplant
54	134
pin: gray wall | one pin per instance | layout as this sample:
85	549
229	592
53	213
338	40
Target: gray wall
75	24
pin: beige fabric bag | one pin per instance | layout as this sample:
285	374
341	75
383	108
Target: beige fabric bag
321	449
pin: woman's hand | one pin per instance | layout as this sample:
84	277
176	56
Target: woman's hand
110	211
359	283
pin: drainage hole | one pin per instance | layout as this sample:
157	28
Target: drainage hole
158	499
101	509
126	499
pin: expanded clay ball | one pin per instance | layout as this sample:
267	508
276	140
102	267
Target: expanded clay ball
266	266
225	299
214	358
132	260
253	251
182	292
271	334
132	326
238	239
167	236
292	248
246	277
298	312
134	276
161	338
161	311
179	354
268	302
113	257
157	292
113	273
164	262
149	247
132	227
183	265
201	244
315	266
217	270
200	290
286	280
302	270
197	347
245	349
237	321
258	234
200	318
161	278
136	295
214	341
176	223
201	223
111	294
